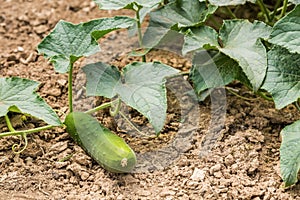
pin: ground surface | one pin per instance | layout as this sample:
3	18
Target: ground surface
243	164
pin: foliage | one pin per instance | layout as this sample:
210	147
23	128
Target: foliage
263	53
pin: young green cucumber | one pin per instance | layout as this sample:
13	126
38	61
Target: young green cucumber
108	149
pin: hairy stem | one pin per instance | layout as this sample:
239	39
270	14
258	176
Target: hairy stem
264	9
9	125
102	106
70	88
283	11
34	130
131	124
272	14
264	96
116	109
230	13
236	94
140	35
96	109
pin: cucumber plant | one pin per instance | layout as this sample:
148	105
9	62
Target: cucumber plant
262	52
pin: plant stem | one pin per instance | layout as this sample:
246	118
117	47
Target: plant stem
70	88
264	10
9	125
34	130
102	106
273	13
187	73
116	109
131	124
264	96
139	26
230	13
236	94
283	11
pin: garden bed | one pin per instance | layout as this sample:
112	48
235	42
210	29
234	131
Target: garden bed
242	164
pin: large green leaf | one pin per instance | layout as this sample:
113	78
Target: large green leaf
102	79
68	42
214	70
290	153
197	38
286	32
295	1
283	76
19	94
174	16
240	40
139	85
119	4
229	2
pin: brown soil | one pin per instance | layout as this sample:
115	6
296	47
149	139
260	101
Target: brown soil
242	164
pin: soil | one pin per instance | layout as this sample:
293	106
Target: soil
195	158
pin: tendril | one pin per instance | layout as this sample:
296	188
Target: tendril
15	146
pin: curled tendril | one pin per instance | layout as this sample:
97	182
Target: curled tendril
15	146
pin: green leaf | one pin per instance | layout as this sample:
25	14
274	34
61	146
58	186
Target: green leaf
240	40
214	70
295	1
129	4
229	2
68	42
283	76
196	38
102	79
174	16
290	153
286	32
140	85
19	94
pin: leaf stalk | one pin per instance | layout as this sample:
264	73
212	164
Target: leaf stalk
8	123
264	9
34	130
70	88
139	26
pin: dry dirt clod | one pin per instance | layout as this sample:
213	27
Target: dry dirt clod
198	175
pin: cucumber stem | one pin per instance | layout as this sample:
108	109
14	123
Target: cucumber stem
102	106
34	130
9	125
230	13
272	14
132	125
139	26
236	94
264	96
70	88
264	9
283	11
116	108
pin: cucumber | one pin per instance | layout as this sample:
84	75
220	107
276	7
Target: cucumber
108	149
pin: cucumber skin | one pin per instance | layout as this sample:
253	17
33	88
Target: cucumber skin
108	149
